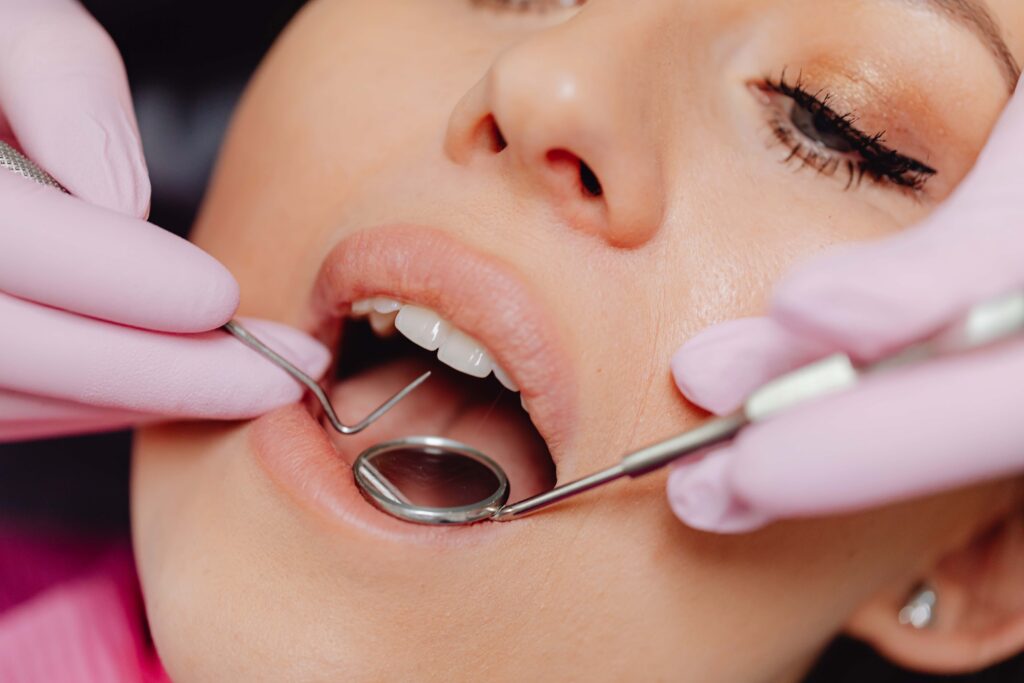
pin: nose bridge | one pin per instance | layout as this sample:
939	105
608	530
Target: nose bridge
579	93
567	75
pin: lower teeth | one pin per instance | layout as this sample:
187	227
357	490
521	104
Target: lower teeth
383	324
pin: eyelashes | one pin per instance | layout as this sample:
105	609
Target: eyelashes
821	138
528	5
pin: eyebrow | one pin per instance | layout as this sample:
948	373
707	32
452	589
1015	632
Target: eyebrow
975	17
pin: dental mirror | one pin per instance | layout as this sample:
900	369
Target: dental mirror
431	480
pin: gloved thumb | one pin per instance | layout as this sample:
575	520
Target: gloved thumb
719	368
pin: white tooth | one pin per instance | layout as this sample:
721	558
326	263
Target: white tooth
522	402
383	324
505	380
362	307
422	326
382	304
465	354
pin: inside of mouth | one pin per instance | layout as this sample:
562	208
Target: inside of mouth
429	478
483	414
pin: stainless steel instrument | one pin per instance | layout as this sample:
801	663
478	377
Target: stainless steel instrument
986	324
16	162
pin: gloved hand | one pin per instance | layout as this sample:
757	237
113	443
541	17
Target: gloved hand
93	299
913	431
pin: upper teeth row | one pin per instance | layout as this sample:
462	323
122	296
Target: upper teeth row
426	328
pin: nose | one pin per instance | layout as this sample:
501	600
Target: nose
558	111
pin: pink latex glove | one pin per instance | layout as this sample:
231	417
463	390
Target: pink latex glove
94	300
913	431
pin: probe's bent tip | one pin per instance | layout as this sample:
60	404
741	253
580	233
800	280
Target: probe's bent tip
378	412
234	328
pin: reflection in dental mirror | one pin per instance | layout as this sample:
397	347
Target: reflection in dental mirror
431	480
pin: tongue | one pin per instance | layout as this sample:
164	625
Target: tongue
476	412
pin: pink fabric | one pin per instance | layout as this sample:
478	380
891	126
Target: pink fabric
71	611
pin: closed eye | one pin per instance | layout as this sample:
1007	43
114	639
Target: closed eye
821	138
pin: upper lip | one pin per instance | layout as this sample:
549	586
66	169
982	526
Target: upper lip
475	292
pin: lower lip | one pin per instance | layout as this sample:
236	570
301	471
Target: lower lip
297	455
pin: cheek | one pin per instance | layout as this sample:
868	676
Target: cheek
729	248
715	258
297	151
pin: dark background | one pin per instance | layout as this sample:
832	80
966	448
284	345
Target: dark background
187	62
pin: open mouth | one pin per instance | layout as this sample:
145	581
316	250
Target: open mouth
478	314
397	301
469	397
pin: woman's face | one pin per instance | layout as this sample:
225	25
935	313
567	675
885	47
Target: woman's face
580	190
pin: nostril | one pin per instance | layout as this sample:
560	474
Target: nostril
589	185
589	180
499	140
490	130
485	137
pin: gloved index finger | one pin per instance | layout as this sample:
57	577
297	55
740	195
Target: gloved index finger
66	253
65	96
123	368
872	299
720	367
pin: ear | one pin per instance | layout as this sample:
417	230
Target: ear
979	615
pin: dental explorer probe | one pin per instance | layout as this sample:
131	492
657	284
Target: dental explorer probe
16	162
985	324
247	338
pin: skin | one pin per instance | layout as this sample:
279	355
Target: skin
367	112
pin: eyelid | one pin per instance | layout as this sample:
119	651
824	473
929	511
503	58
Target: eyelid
528	5
868	156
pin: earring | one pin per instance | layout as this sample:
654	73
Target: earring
919	611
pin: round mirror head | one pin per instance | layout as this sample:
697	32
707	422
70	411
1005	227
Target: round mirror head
431	480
